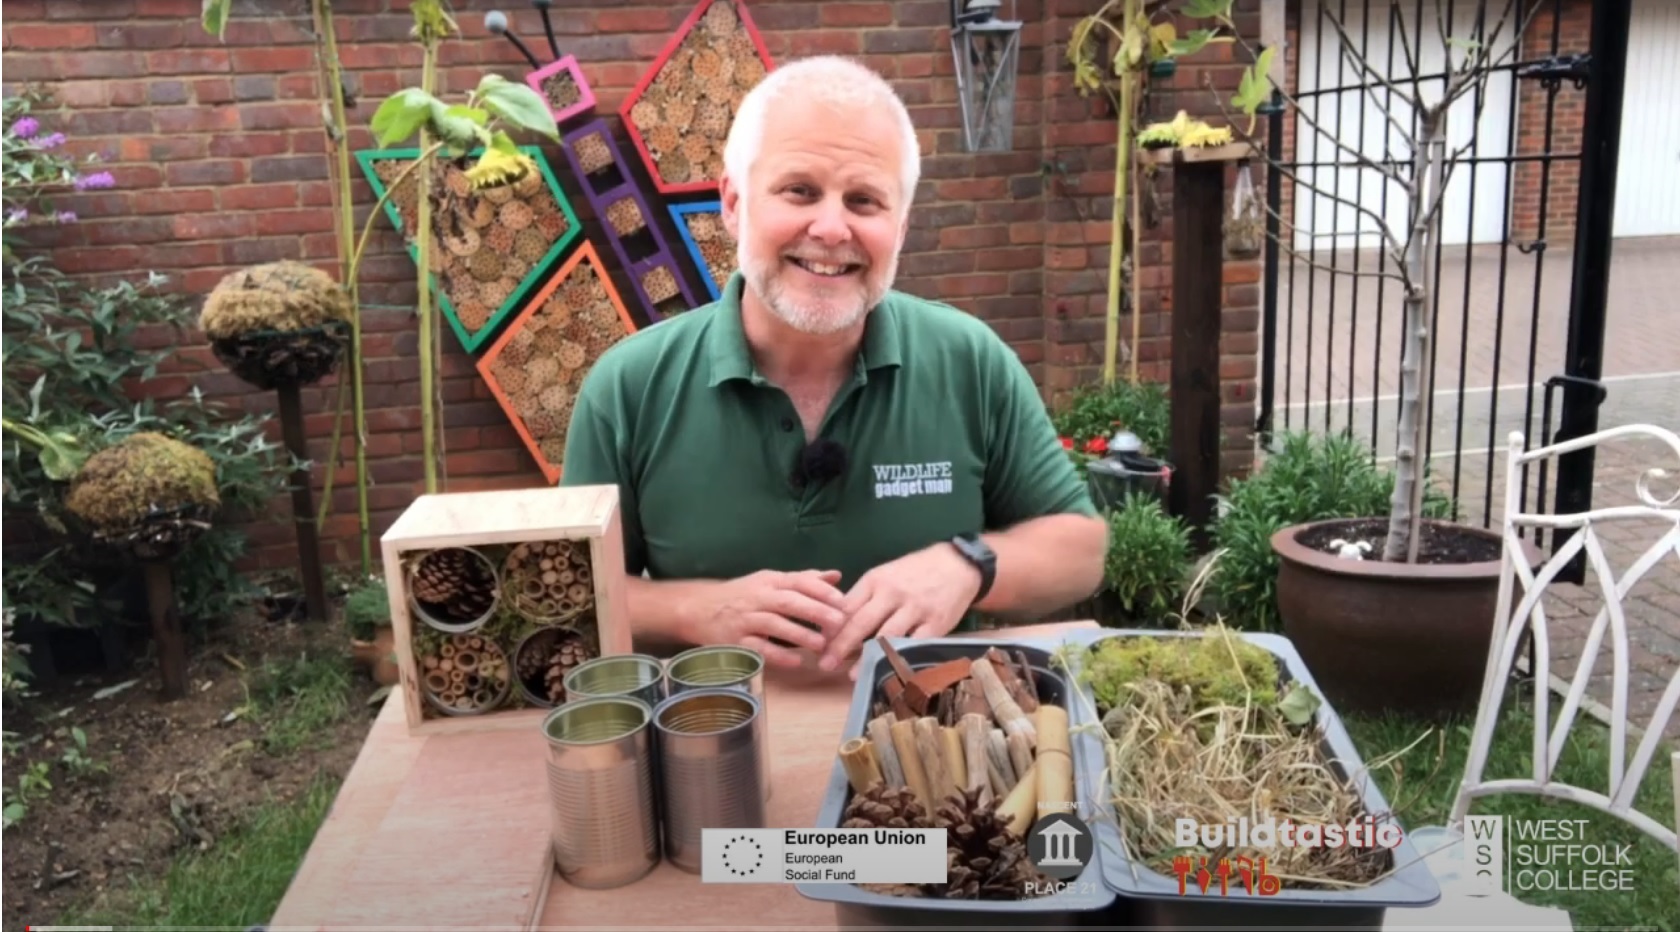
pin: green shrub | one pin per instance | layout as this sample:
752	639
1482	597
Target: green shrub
367	608
1148	559
1096	411
1310	478
72	353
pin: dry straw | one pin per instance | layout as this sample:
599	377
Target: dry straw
1174	755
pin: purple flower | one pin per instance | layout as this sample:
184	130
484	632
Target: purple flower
66	216
50	142
25	128
17	215
96	180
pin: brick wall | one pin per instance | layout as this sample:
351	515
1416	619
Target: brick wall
1572	28
220	163
1079	199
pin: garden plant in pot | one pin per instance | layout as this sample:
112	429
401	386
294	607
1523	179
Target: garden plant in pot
373	646
1394	611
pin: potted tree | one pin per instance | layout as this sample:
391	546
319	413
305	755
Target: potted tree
1394	611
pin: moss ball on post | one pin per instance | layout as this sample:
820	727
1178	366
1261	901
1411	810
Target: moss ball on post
143	480
150	495
280	326
278	323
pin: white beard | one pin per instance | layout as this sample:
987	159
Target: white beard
819	317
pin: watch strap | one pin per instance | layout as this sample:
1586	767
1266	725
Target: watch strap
977	553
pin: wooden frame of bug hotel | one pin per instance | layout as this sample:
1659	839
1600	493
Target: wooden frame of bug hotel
495	595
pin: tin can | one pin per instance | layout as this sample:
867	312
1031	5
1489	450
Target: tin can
601	787
726	666
708	768
636	675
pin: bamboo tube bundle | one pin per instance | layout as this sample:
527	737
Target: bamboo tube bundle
466	674
550	581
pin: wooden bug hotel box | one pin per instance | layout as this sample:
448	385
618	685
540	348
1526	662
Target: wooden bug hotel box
496	595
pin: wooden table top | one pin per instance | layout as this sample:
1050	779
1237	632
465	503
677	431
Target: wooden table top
453	830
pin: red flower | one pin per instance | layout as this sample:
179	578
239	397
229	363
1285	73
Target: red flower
1067	443
1096	445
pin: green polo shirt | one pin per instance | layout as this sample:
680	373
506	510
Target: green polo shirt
945	432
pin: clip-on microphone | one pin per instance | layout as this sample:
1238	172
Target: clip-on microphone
820	461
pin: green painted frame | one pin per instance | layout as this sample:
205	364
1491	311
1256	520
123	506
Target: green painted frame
539	270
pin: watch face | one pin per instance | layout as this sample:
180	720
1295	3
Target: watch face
973	548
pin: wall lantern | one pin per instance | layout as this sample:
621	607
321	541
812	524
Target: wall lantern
987	51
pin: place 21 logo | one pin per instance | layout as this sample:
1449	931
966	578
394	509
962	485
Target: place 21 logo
1252	875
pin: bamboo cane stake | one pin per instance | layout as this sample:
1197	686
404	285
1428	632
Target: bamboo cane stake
862	769
977	764
880	733
930	744
1021	804
915	773
1054	761
1020	753
956	759
1004	708
999	767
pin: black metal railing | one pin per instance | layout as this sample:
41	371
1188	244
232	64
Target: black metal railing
1336	338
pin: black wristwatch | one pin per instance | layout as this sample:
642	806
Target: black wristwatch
975	551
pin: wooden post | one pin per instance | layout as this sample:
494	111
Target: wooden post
166	629
1198	199
303	508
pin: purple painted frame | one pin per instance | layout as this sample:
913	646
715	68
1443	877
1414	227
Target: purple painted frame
600	198
586	94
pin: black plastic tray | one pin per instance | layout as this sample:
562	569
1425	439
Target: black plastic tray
1153	899
1086	900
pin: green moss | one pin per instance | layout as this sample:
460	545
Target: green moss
1203	665
275	296
120	486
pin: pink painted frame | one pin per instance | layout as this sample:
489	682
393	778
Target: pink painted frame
586	99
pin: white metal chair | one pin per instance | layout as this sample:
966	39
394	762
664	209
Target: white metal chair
1529	615
1459	905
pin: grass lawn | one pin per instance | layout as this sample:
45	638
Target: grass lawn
1422	786
239	882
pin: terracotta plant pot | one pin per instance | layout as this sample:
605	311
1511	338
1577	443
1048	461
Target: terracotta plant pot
1390	637
378	656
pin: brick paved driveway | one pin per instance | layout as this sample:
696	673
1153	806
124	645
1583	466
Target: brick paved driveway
1334	341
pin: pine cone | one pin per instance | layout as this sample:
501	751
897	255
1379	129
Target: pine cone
566	655
884	807
454	584
881	807
986	860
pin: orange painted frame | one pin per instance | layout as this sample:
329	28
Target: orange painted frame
585	252
630	100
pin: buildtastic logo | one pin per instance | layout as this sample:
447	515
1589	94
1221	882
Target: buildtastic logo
1251	874
1516	855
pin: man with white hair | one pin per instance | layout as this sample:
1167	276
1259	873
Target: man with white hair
816	459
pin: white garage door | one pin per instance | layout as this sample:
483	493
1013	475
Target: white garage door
1474	210
1648	171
